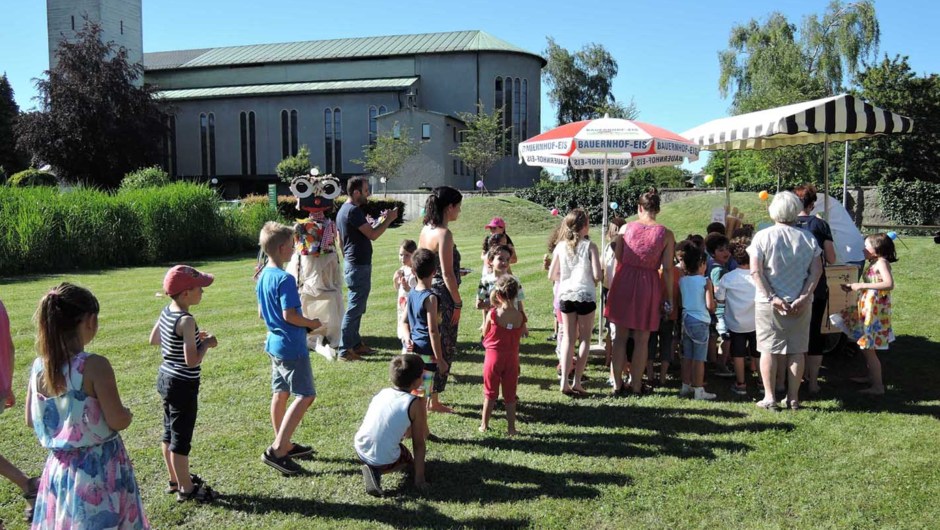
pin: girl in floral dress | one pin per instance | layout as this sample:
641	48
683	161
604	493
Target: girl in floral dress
869	324
74	407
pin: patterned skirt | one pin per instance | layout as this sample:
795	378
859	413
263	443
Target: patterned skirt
445	307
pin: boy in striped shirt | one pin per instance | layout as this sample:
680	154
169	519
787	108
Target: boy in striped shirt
183	347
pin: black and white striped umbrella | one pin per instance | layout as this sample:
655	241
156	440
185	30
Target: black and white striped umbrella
833	119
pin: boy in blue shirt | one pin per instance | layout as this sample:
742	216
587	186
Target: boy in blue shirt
286	345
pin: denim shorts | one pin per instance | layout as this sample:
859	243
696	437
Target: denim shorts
292	375
694	339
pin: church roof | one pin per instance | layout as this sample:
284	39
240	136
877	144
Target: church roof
322	50
352	85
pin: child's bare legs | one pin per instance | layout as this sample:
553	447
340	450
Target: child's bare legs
739	370
487	413
712	349
278	409
436	405
698	374
569	325
874	373
585	325
169	463
768	373
813	363
618	353
511	418
686	371
291	420
180	465
663	370
13	474
641	343
724	352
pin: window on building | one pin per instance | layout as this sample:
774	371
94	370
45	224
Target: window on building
463	168
507	116
454	130
524	103
516	116
373	124
169	147
455	166
498	104
73	22
122	27
207	143
248	143
333	129
425	131
288	133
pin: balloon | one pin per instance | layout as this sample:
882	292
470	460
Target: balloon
480	184
763	195
893	235
422	212
709	179
614	205
554	212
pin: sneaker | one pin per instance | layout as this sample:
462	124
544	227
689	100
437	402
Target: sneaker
723	371
740	390
685	391
700	394
300	450
284	464
373	481
350	356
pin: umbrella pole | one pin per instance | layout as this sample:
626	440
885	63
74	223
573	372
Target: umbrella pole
600	314
727	182
826	178
845	177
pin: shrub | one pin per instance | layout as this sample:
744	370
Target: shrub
145	177
32	177
287	206
914	202
588	196
294	166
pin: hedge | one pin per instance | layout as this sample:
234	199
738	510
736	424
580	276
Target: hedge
31	177
911	202
287	206
589	196
45	230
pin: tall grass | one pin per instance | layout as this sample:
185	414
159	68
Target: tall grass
48	230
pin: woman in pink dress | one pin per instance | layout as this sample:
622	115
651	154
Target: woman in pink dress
635	299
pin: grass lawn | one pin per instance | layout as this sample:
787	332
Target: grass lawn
657	462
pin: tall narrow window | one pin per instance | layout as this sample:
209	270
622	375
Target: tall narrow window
249	159
338	141
516	116
499	105
293	133
212	144
204	143
373	124
288	133
328	138
73	22
383	110
122	27
524	103
507	117
169	146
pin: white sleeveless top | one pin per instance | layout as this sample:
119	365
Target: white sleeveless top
383	428
576	280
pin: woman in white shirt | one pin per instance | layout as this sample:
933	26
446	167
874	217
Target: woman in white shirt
576	267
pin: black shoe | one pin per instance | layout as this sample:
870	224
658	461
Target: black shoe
373	481
284	464
300	451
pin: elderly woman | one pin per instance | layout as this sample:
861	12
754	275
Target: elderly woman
785	264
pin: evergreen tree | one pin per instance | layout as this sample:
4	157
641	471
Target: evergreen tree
95	125
11	159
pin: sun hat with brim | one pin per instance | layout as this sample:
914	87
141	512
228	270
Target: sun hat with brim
496	222
183	277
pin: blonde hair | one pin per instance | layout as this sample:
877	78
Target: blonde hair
57	318
273	235
506	288
574	222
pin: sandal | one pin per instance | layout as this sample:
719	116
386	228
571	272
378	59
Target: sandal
173	487
32	491
794	404
767	404
202	493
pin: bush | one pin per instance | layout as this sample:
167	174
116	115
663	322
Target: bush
32	177
294	166
45	230
146	177
588	196
911	202
287	206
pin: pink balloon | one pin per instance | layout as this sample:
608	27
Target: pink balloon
554	212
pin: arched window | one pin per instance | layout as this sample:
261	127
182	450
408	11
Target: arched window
524	104
333	134
328	137
169	146
288	133
373	124
516	116
248	143
507	116
498	104
207	143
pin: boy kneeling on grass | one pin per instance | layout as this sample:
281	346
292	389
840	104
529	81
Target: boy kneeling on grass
394	414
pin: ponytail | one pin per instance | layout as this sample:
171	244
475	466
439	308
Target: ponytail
437	202
574	222
57	318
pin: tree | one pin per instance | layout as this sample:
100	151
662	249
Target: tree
294	166
776	63
11	158
479	146
389	153
891	84
94	125
580	83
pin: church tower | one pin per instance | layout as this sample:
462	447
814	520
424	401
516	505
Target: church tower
121	21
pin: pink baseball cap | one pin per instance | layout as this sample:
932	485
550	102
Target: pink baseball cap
183	277
496	222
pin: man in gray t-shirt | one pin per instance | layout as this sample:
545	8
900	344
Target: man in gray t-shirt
357	236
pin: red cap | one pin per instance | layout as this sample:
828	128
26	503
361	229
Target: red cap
183	277
496	222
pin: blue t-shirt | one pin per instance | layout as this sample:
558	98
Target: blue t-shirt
692	289
357	248
277	291
716	271
418	321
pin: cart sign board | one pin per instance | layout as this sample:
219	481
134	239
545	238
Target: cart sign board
837	275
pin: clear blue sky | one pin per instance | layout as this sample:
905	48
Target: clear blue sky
666	51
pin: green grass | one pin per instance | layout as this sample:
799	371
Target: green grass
658	462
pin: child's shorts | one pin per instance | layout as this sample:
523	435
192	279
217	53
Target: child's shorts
744	344
581	308
180	405
292	375
694	339
661	341
403	458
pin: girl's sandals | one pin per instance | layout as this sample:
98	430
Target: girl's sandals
173	487
32	491
201	493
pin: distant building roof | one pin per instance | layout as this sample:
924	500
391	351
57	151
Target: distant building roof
318	50
353	85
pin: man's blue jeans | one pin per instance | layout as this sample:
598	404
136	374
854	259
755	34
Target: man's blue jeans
359	282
